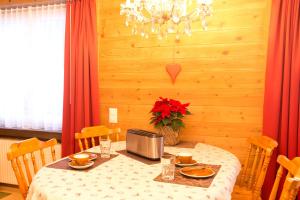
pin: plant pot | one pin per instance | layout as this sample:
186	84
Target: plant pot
171	137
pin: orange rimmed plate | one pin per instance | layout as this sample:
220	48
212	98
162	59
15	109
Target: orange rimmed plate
197	172
76	166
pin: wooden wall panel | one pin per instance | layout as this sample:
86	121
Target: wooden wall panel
222	72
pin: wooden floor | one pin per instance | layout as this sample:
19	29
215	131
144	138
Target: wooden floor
14	193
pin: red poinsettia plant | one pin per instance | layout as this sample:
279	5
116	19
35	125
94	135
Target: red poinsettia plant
169	112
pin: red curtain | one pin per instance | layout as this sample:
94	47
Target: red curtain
81	103
282	89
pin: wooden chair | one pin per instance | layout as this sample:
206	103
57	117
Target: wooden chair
255	167
292	181
20	151
94	132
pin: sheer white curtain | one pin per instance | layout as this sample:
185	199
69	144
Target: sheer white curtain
32	67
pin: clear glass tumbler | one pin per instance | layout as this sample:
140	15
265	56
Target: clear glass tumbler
168	167
105	148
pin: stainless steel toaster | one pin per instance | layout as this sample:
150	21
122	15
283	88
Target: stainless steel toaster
144	143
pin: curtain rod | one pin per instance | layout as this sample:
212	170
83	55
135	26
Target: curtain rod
10	5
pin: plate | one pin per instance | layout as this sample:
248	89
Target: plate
194	162
93	156
197	172
75	166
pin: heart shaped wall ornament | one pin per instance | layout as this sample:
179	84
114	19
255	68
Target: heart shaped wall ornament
173	70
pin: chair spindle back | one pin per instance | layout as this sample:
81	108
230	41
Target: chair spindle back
94	133
256	164
292	181
23	157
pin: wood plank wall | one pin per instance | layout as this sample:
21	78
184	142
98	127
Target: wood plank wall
222	72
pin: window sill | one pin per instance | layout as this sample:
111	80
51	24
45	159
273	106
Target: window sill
25	134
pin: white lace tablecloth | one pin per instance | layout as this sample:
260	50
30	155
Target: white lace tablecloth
126	178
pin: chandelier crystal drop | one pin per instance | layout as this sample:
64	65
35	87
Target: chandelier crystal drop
165	16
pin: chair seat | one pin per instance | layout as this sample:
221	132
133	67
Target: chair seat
240	193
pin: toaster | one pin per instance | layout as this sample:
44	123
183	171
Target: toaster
144	143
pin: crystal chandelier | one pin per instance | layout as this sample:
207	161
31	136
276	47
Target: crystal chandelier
165	16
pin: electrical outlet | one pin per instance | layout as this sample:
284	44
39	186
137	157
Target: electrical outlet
113	115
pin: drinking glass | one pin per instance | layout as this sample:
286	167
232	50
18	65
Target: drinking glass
105	148
168	167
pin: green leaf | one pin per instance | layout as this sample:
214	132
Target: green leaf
176	124
188	112
157	114
159	124
166	121
152	120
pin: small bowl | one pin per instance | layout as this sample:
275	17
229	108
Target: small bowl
82	158
185	157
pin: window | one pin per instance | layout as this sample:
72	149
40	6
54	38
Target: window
31	67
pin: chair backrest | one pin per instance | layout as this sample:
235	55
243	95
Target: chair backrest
257	162
94	133
18	156
292	181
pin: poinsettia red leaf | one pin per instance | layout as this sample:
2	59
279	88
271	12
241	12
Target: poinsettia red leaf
169	112
186	104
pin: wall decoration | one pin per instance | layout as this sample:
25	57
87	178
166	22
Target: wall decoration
173	70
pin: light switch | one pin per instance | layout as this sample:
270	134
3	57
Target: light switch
113	115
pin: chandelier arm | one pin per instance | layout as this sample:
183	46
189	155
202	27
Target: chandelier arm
193	15
148	21
171	14
163	17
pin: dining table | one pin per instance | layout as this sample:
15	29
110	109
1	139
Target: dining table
128	178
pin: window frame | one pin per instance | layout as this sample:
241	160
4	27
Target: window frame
28	133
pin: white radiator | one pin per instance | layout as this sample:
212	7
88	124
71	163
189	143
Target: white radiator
6	173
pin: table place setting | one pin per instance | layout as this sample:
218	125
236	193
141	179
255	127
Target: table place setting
182	169
86	160
82	160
